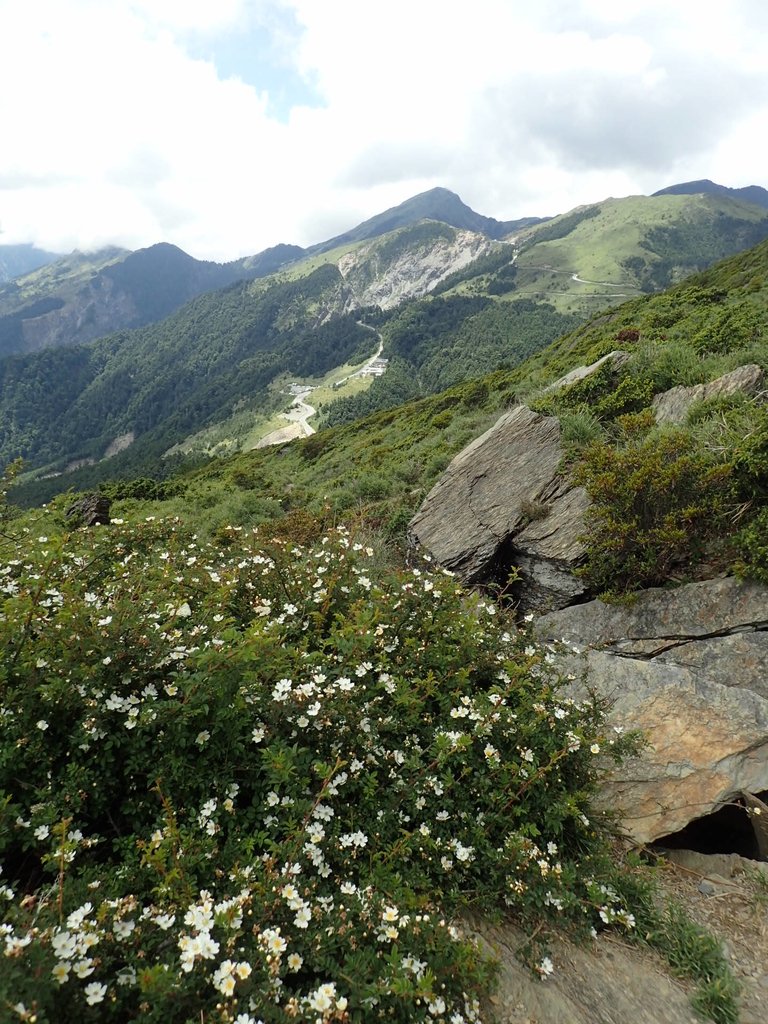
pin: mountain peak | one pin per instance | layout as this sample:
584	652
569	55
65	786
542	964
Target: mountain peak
754	194
435	204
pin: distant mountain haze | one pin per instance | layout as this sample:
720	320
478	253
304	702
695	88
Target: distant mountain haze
16	260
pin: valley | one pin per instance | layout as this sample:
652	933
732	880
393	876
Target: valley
362	525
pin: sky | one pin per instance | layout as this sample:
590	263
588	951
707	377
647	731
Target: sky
227	126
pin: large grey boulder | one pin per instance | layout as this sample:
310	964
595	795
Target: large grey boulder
672	406
503	503
689	668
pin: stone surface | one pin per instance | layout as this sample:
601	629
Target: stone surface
606	982
706	609
758	813
90	510
687	667
672	406
502	502
413	271
617	358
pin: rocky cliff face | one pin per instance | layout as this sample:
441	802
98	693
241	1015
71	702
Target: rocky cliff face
385	274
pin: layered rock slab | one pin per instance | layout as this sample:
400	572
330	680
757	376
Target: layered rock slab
503	503
672	406
687	667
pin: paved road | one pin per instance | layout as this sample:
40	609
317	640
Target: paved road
299	412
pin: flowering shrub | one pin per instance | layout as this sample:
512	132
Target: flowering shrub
259	782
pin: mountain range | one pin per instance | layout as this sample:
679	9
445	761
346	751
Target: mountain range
124	357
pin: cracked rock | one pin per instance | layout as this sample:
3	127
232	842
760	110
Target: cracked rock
501	504
672	406
688	668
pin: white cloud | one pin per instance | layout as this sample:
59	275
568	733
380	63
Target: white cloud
113	132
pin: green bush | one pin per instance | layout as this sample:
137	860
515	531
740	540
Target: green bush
607	393
657	501
259	781
752	548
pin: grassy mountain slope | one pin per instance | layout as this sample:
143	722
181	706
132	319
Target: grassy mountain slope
16	260
63	278
437	342
213	362
163	381
174	378
749	194
622	247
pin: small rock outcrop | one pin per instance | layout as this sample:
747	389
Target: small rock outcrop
90	510
672	406
617	359
503	504
689	668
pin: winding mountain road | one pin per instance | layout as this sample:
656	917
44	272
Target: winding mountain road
299	413
371	361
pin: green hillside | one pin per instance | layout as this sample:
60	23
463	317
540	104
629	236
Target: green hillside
205	378
380	468
622	247
166	380
63	277
205	370
85	296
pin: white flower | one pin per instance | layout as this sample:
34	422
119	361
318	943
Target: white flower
123	929
202	737
94	993
42	832
42	725
84	967
64	945
183	611
595	748
303	917
274	941
61	973
323	997
545	968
